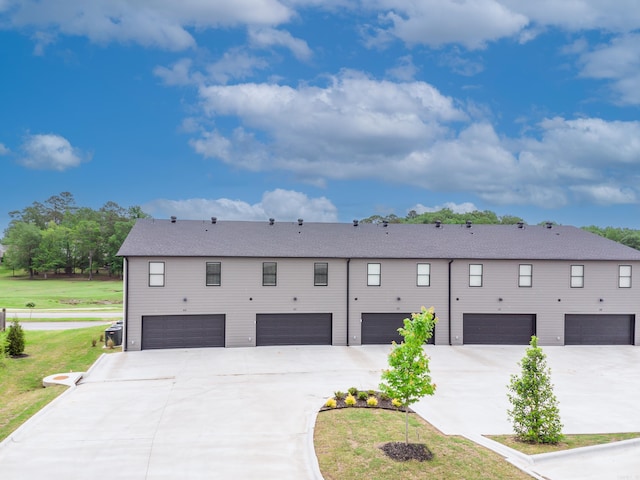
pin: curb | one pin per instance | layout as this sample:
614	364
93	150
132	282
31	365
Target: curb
575	453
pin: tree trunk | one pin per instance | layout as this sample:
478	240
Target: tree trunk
406	424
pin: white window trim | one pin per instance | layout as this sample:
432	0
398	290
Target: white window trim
275	282
326	282
206	279
525	280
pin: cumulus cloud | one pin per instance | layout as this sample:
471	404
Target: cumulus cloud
50	152
465	207
617	61
158	23
4	150
408	133
279	204
439	22
266	37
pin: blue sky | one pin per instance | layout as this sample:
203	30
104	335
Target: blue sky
328	110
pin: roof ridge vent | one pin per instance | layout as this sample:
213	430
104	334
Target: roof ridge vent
214	220
272	221
355	223
300	221
548	224
520	224
438	224
385	223
173	219
468	223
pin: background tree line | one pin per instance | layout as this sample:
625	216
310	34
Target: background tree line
626	236
59	236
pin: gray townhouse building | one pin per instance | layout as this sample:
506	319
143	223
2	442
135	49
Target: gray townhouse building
241	284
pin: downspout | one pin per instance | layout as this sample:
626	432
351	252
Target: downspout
125	313
348	262
449	300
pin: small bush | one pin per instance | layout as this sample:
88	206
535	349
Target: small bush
339	395
363	395
353	391
372	402
101	338
331	403
384	396
396	403
350	400
371	392
94	342
15	339
110	344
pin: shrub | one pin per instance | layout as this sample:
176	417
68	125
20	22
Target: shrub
384	396
94	342
339	395
396	403
363	395
372	401
371	392
110	344
353	391
15	340
331	403
350	400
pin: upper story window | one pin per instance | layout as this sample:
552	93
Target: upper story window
269	274
424	275
321	274
525	275
156	274
475	275
373	274
624	276
577	276
214	276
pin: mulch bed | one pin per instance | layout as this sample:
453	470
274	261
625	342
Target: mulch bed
402	452
382	403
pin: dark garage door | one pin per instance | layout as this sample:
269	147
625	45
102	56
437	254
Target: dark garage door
182	331
382	328
498	329
599	329
293	329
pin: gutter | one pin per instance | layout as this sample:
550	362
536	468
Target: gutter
449	300
125	307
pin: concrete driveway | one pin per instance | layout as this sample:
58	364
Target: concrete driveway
249	413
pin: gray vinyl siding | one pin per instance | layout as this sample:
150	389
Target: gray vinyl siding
240	296
550	297
398	280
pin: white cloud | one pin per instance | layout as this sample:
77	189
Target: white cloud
605	194
285	205
465	207
405	70
4	150
265	37
50	152
158	23
618	61
440	22
235	64
179	73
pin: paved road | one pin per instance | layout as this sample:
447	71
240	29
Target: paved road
63	314
60	325
243	413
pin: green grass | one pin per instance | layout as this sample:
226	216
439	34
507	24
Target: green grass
568	442
347	445
48	352
75	319
60	292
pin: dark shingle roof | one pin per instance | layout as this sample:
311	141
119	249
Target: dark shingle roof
193	238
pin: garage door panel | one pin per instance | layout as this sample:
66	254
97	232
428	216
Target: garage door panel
382	328
293	329
183	331
498	329
599	329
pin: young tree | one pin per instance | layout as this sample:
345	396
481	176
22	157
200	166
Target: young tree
15	339
535	415
409	378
